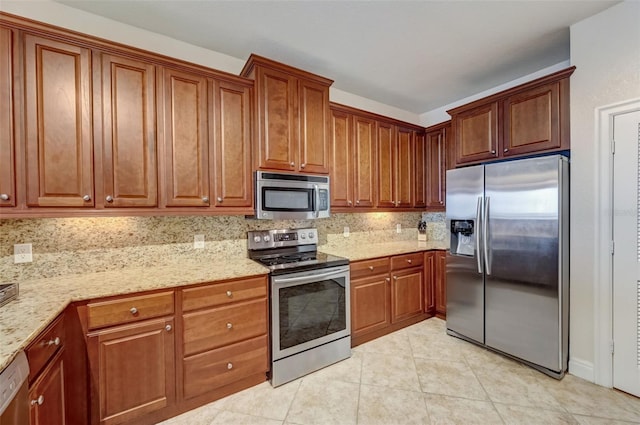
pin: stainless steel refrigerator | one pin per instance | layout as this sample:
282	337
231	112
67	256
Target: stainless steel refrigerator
508	263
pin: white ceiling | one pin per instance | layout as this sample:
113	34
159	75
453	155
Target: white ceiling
414	55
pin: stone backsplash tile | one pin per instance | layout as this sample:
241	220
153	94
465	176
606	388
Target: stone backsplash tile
77	245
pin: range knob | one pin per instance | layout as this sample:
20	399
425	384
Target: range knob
257	239
266	238
303	236
310	235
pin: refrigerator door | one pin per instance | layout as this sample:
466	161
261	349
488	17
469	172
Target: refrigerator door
523	285
465	281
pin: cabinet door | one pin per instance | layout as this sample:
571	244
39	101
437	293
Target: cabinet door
46	395
186	140
407	294
129	132
232	140
386	165
364	160
420	173
59	147
476	134
441	283
7	135
436	169
531	120
133	367
404	168
430	282
277	129
370	304
341	159
314	127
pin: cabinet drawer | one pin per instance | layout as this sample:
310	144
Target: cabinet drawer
223	293
129	309
408	260
213	369
369	267
44	347
213	328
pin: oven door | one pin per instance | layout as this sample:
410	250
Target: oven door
309	309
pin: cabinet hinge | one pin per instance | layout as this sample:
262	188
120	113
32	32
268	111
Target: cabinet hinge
611	345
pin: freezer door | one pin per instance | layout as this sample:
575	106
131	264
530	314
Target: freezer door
522	286
465	281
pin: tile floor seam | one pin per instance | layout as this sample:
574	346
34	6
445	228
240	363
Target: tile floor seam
291	403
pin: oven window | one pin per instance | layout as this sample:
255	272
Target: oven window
287	199
311	311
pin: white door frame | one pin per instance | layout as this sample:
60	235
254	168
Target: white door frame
603	284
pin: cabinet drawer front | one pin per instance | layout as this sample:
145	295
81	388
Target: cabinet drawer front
213	369
129	309
369	267
405	261
213	328
44	347
224	293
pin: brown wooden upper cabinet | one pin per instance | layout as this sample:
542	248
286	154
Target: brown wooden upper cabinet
352	159
530	118
420	170
7	131
293	117
58	131
436	141
395	166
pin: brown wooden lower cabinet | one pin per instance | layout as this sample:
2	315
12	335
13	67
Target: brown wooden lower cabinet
441	284
46	395
387	294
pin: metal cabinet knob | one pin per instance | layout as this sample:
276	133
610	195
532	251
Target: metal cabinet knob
109	198
229	365
205	199
55	341
133	310
357	202
293	164
38	400
387	279
395	278
371	268
168	328
229	294
219	199
409	261
506	149
4	197
229	326
493	152
349	202
303	165
86	198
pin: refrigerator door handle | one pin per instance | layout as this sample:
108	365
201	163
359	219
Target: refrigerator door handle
478	234
485	236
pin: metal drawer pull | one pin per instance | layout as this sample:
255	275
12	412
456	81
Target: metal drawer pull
133	310
38	401
55	341
371	268
229	326
229	365
395	278
409	261
4	197
168	328
387	279
229	294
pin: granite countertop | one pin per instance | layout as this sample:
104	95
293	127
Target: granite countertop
41	300
356	252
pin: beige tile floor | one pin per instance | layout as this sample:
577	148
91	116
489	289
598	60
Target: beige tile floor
419	375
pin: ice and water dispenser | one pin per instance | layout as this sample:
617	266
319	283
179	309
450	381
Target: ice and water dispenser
462	237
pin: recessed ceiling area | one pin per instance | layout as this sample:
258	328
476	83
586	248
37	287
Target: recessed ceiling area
413	55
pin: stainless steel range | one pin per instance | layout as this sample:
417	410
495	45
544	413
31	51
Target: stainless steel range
310	313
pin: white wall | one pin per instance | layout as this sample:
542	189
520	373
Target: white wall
66	17
605	49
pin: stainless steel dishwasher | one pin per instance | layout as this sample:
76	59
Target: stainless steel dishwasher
14	407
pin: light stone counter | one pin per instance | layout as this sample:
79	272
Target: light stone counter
41	300
364	251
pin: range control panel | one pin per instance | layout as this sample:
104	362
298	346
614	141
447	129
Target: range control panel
263	239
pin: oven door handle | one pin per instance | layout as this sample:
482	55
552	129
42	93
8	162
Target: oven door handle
309	278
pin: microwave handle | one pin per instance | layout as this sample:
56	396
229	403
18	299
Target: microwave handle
317	206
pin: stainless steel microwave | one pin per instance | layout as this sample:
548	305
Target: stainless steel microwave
282	196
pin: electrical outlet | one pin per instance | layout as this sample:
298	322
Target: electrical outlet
345	233
198	241
398	228
22	253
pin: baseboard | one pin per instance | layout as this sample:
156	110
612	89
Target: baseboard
582	369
